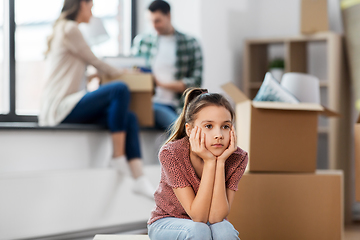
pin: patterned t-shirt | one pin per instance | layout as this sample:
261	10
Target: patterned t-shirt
178	172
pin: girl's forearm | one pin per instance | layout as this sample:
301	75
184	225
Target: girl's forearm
219	205
200	207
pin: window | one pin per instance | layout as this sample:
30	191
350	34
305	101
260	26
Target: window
20	97
4	88
33	25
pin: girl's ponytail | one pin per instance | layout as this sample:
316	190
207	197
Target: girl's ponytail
177	130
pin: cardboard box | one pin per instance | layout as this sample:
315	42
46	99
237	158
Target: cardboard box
314	16
279	137
142	89
289	206
357	160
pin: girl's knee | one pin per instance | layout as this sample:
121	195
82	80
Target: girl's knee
224	230
199	230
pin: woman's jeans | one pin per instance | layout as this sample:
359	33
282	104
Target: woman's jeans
165	116
171	228
109	106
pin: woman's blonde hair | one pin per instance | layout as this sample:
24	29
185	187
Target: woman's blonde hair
69	11
196	99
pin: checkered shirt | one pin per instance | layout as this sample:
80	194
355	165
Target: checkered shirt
188	56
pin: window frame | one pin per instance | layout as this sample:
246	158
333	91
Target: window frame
10	35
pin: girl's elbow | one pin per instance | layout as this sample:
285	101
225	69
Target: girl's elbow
200	220
215	220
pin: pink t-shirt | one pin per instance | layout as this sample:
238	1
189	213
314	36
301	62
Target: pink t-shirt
178	172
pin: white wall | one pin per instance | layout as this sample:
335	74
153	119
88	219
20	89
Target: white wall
185	16
222	27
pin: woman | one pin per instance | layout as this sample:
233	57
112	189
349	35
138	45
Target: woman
65	99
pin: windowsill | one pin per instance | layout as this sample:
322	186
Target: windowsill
63	126
35	126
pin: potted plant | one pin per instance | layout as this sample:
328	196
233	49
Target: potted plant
276	68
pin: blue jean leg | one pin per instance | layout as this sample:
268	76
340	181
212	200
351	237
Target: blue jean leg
109	106
178	229
165	116
132	141
224	230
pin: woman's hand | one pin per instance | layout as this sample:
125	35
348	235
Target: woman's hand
92	76
231	148
197	143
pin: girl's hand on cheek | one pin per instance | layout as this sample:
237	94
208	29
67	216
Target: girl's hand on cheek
231	148
197	143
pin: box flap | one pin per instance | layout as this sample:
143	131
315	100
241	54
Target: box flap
329	113
297	106
137	82
289	106
234	92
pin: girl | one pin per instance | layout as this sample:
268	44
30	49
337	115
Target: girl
201	166
65	99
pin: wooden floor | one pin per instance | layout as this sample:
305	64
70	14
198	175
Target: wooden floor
352	232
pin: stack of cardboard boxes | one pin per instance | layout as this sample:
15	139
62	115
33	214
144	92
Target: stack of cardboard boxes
282	195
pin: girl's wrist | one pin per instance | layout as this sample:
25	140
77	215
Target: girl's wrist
220	161
209	160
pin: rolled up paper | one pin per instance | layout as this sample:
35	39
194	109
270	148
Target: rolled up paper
305	87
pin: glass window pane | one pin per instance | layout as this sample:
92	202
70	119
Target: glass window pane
107	11
4	80
33	25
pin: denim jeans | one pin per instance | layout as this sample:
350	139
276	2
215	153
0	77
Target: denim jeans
170	228
165	116
109	106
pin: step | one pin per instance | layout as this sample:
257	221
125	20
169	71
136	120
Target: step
37	149
45	203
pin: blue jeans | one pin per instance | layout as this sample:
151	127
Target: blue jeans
171	228
109	106
165	116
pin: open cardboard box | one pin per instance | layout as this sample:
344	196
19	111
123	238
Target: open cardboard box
289	206
357	160
279	137
142	88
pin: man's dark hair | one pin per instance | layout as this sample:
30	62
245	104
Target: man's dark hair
159	5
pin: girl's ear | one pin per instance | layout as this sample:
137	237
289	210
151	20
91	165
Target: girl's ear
188	129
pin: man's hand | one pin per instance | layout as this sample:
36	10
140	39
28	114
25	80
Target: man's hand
156	82
177	86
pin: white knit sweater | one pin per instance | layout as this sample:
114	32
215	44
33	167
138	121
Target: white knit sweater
65	73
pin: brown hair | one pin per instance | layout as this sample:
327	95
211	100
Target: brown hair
195	100
69	11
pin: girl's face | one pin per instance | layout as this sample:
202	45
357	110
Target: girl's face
85	13
216	123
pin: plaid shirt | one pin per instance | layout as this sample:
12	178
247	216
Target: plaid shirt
188	56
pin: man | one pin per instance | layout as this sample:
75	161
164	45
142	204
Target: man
175	60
